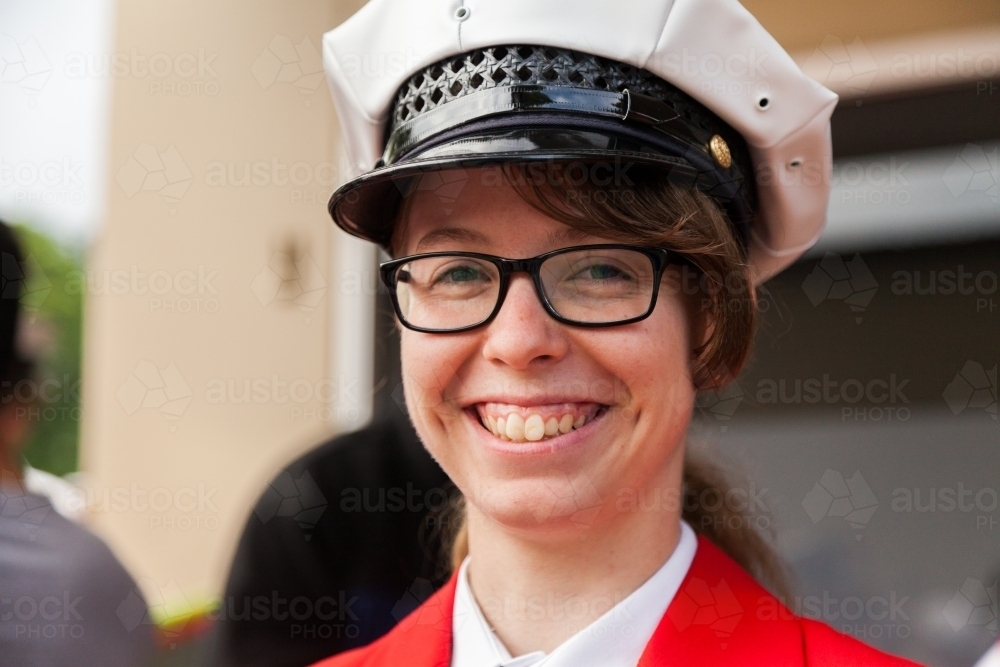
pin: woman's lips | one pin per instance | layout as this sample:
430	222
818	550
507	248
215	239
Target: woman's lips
518	423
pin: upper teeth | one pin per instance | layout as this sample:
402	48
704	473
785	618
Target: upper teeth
518	429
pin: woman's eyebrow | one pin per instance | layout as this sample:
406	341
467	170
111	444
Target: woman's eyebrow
459	234
568	234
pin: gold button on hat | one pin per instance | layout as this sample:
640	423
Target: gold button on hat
720	151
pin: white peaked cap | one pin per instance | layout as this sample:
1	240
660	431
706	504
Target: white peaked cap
713	50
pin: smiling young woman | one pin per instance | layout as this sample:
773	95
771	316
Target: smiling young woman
577	237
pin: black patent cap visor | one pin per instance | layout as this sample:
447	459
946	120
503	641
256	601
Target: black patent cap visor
606	150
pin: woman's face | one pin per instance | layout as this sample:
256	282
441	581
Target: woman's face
618	398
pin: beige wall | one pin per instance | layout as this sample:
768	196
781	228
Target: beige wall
858	47
214	281
802	25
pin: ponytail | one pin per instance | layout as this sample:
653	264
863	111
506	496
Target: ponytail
732	530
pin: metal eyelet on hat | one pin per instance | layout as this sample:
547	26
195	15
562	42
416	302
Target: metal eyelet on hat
462	13
720	151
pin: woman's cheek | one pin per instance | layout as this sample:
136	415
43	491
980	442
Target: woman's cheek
419	384
430	364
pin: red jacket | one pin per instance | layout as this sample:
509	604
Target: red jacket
720	616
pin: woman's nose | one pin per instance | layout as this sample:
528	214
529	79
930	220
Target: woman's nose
523	333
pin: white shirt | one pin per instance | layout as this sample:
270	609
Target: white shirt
616	639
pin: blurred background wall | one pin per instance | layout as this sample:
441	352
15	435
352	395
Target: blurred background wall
227	326
216	363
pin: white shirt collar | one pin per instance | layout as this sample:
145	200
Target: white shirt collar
616	639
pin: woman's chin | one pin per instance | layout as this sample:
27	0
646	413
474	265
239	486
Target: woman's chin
542	505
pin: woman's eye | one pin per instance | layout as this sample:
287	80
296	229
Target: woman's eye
602	272
460	274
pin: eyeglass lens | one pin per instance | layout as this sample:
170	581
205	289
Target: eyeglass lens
599	286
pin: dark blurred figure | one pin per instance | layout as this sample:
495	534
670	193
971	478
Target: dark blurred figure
64	598
345	541
304	587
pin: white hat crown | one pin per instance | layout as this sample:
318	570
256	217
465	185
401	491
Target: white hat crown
713	50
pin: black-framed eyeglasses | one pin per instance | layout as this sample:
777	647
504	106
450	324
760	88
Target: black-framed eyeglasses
585	286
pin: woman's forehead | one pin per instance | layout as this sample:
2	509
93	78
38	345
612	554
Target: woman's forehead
476	212
474	236
441	194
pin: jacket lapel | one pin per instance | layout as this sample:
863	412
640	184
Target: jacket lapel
423	637
721	616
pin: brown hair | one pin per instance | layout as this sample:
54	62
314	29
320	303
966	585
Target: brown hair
648	209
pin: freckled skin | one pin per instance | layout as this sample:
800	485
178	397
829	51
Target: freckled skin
641	371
